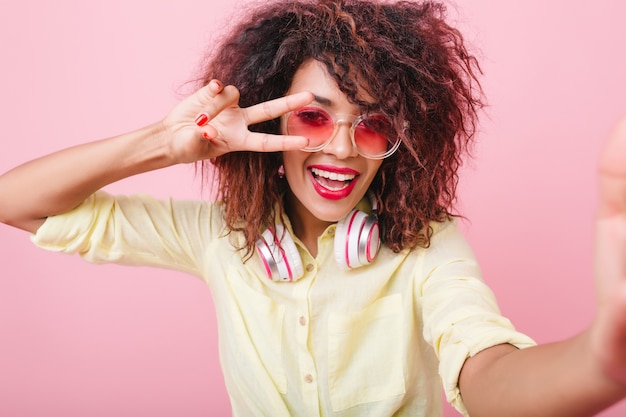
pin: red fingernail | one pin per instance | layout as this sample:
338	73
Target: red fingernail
206	136
217	84
202	119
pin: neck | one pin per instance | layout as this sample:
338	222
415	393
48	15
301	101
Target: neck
305	225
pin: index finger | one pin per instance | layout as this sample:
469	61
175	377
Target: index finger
265	142
272	109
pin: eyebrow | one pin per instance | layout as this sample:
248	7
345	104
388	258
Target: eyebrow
323	100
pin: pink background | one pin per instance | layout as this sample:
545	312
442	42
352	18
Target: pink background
78	339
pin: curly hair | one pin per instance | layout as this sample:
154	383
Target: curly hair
415	65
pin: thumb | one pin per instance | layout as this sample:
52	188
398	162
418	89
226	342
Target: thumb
612	173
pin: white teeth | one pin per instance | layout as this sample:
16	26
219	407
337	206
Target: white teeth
335	176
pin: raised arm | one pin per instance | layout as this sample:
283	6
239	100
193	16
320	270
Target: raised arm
585	374
206	124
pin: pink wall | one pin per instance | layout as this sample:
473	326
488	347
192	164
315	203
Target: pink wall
78	339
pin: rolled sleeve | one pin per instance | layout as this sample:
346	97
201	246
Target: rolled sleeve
133	230
460	313
71	232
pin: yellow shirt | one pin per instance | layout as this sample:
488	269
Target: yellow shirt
372	341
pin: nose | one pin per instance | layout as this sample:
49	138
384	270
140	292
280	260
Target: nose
341	144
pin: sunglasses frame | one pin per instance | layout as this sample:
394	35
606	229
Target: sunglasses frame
345	119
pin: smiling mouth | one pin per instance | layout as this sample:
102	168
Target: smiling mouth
333	181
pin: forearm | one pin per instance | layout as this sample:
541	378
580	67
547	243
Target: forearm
559	379
60	181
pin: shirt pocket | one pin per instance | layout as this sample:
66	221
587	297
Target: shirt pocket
257	327
365	354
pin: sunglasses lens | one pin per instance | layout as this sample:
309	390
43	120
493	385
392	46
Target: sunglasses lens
372	136
313	123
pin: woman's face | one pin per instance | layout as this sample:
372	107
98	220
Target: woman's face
327	184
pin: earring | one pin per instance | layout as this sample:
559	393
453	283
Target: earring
281	171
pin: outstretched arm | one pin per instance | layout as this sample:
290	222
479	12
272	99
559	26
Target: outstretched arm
58	182
587	373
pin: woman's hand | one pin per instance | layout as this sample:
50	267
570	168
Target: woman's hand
81	170
609	328
210	123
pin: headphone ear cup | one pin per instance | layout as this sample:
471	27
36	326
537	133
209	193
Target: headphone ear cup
279	255
357	239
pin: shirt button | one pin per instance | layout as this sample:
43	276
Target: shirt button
308	378
302	321
310	267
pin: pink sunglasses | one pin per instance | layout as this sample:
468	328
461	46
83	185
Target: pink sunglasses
372	135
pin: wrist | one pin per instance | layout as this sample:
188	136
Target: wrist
149	149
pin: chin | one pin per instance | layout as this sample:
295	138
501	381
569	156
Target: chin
331	217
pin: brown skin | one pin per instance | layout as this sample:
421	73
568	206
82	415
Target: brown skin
403	55
311	213
585	374
176	139
577	377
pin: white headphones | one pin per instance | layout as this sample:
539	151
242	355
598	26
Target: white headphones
357	241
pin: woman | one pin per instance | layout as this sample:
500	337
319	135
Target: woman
351	105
